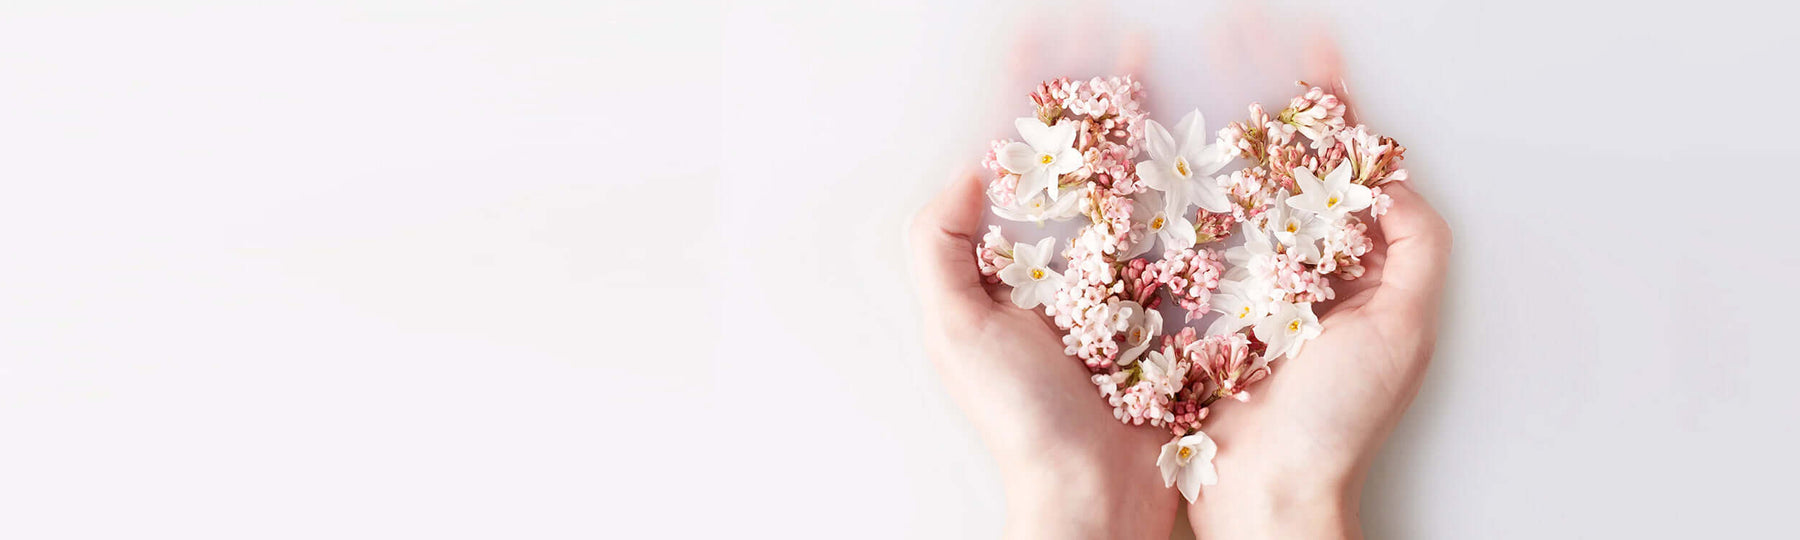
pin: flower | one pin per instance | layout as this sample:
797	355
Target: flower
1188	461
1180	165
1141	326
1162	370
1047	153
1040	208
1333	197
1298	230
1227	362
1029	274
1287	327
1238	308
1163	222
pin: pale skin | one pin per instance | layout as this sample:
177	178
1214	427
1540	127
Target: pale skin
1292	460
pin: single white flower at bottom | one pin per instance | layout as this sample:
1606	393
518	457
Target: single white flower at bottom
1238	308
1187	461
1160	222
1141	327
1029	274
1286	328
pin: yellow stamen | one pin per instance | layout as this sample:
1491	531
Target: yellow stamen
1331	202
1156	223
1038	273
1294	326
1242	313
1181	166
1046	159
1185	453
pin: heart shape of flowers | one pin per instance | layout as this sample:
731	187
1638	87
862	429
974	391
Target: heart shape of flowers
1296	206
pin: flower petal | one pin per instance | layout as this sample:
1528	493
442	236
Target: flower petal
1154	175
1025	295
1158	141
1356	198
1060	136
1179	234
1030	183
1041	255
1015	274
1190	482
1067	161
1034	132
1018	158
1209	195
1339	177
1190	133
1307	181
1167	462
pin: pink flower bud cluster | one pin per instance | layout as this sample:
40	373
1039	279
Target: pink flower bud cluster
1227	365
993	254
1191	275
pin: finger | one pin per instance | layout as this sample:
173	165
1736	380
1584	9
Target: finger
1418	253
942	238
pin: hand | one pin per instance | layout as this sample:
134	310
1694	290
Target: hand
1291	460
1069	468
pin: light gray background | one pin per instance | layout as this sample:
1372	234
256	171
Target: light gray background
545	269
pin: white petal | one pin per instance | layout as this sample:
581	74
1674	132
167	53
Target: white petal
1209	195
1356	198
1212	159
1061	135
1166	462
1311	201
1190	482
1339	177
1178	234
1034	132
1031	182
1066	162
1190	133
1308	183
1041	255
1025	294
1018	157
1158	141
1154	175
1015	274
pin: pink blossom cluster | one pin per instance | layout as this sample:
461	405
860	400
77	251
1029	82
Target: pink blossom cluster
1191	275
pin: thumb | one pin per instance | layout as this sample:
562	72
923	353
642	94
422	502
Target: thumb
943	247
1418	253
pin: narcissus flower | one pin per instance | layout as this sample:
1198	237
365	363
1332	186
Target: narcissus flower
1029	274
1181	164
1047	153
1287	327
1333	197
1187	462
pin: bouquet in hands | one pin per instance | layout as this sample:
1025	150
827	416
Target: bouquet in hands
1288	193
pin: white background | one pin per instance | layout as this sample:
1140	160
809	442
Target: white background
579	270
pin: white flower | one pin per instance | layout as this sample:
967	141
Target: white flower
1238	306
1040	208
1029	274
1180	164
1253	262
1333	197
1297	229
1287	327
1047	153
1160	221
1141	327
1163	372
1188	461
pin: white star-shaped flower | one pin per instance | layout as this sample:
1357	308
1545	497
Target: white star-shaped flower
1141	328
1286	328
1187	461
1029	274
1039	208
1047	153
1160	222
1238	308
1181	164
1332	197
1297	229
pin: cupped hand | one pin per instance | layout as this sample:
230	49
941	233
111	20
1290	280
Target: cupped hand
1070	469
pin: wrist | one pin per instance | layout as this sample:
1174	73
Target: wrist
1279	504
1083	498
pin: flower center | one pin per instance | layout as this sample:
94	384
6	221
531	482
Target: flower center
1181	166
1038	273
1292	227
1185	454
1156	223
1242	313
1137	336
1046	159
1331	202
1294	326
